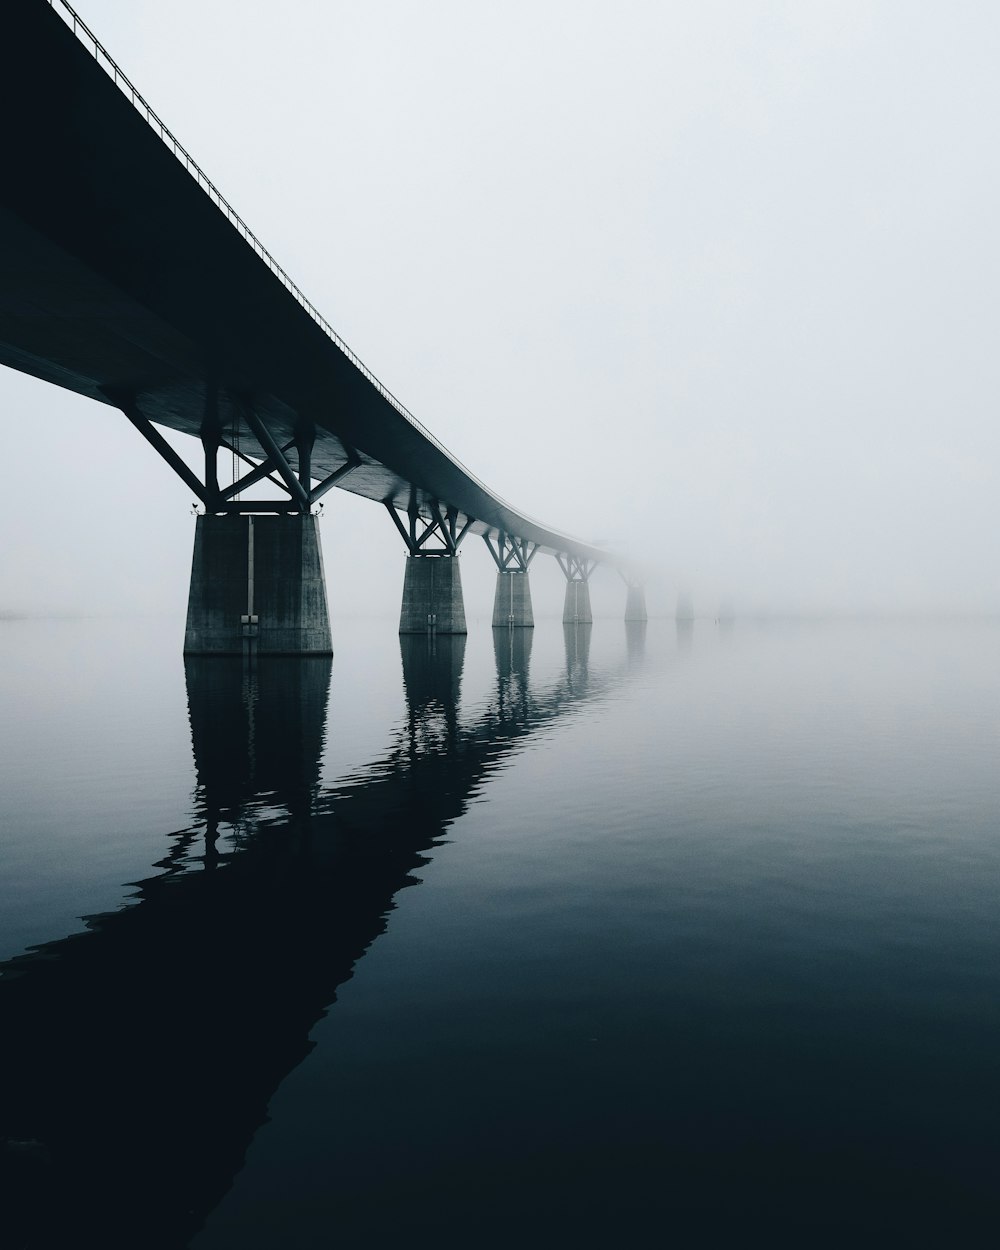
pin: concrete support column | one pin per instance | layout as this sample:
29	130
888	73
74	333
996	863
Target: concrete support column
512	601
635	604
432	596
264	567
576	607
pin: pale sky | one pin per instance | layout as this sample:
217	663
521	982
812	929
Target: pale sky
717	282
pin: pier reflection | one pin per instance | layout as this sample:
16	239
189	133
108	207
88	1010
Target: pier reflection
635	641
512	651
256	732
432	681
140	1055
577	638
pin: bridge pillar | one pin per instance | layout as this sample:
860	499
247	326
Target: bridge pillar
512	600
432	586
635	602
576	605
432	596
257	585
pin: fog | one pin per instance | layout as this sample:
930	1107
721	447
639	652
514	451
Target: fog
714	282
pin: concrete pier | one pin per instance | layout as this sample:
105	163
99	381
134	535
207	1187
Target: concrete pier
635	604
512	601
432	596
257	586
576	607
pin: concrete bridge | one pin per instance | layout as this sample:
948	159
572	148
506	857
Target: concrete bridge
130	280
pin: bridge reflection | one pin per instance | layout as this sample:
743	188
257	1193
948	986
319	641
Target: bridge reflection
140	1056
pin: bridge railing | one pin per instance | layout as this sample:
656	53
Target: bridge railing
90	41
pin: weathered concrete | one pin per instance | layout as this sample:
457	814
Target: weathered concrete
576	608
635	604
432	596
270	567
512	601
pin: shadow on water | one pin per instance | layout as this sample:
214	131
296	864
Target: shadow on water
140	1055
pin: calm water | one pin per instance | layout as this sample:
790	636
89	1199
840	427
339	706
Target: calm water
586	937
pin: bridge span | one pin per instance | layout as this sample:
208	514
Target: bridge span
130	280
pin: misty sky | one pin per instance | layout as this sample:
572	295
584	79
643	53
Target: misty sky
716	282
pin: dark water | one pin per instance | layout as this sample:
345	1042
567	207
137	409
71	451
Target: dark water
630	936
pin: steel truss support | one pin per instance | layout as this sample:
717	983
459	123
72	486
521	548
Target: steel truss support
211	440
265	469
352	462
305	437
576	607
264	436
442	527
275	468
511	554
576	568
156	440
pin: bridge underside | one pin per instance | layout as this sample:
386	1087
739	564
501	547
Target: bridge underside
64	322
125	282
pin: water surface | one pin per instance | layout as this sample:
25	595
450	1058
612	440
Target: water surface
685	934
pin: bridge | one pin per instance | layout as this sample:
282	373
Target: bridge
130	280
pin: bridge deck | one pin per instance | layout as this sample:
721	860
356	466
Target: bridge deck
122	275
